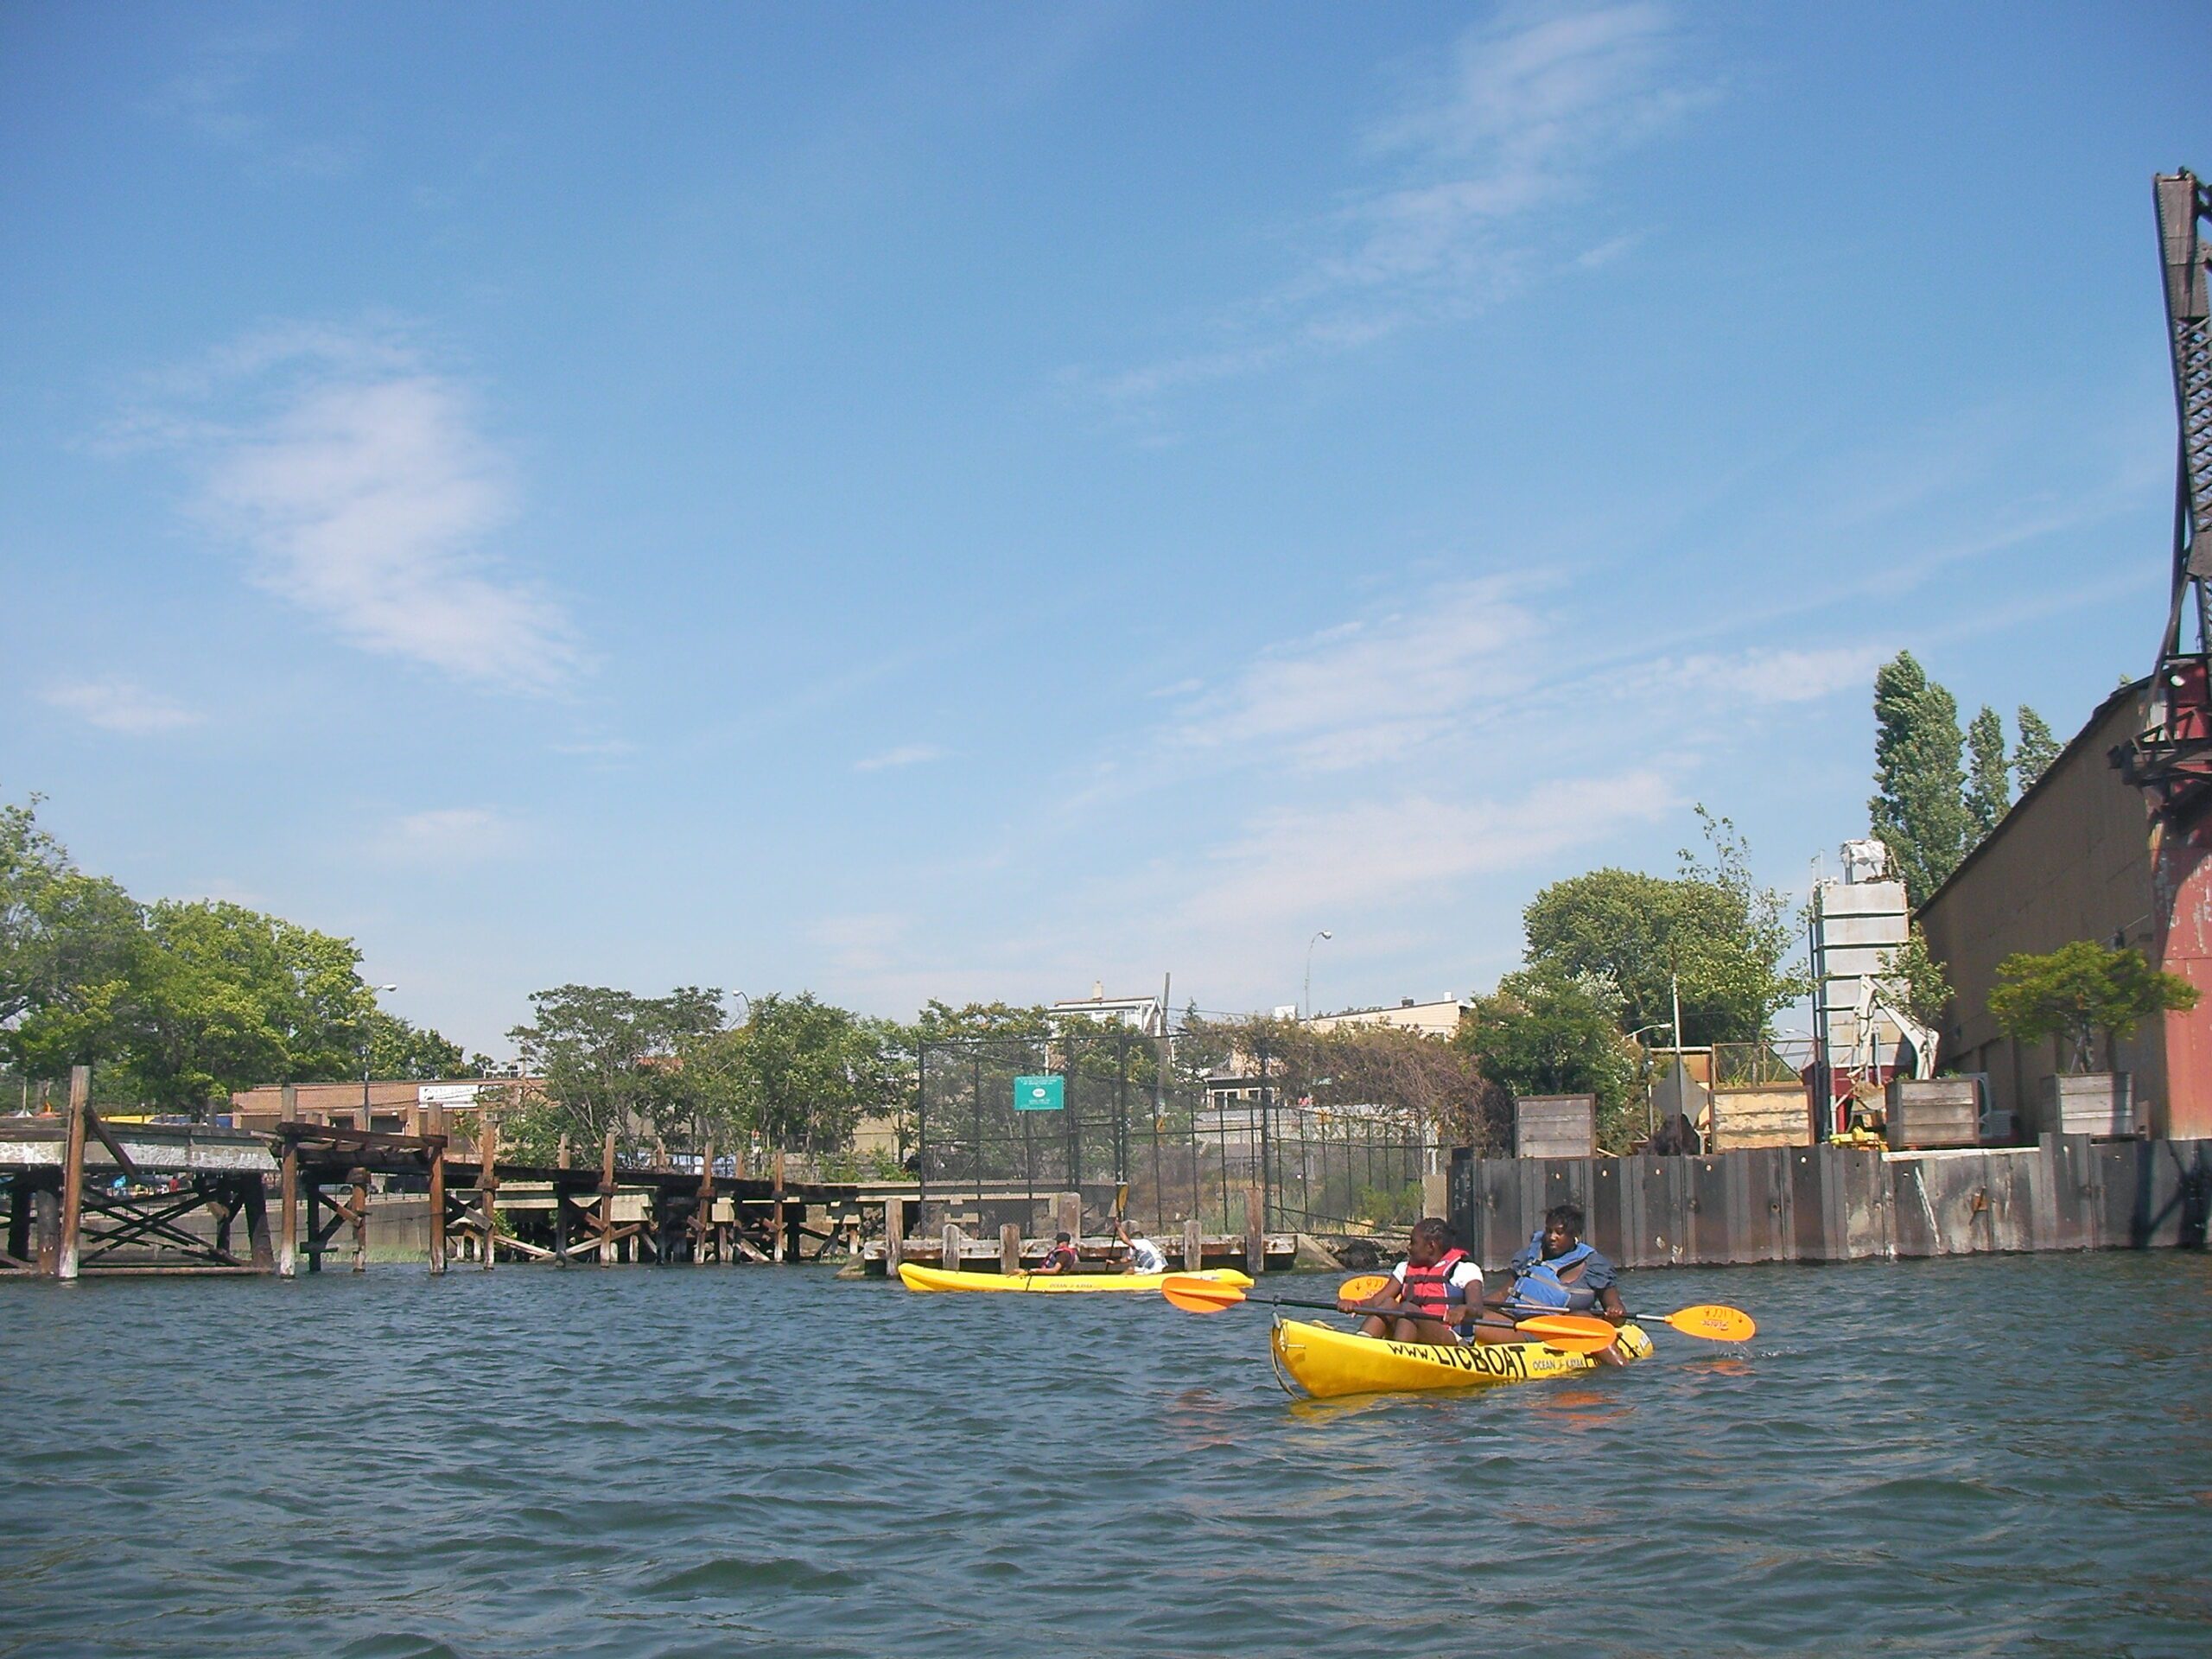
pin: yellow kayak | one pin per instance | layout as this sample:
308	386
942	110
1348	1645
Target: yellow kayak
1326	1362
916	1277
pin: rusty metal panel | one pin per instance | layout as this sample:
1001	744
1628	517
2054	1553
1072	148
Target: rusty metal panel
1603	1206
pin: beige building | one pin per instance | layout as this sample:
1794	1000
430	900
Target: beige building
1437	1019
2075	859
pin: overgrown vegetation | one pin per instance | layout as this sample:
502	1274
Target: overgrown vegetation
2080	990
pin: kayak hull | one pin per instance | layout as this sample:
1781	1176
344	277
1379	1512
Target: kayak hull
1327	1362
914	1276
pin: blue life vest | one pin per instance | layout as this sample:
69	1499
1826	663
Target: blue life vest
1539	1287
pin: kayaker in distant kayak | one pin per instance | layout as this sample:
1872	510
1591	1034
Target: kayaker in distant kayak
1432	1295
1557	1273
1061	1258
1145	1257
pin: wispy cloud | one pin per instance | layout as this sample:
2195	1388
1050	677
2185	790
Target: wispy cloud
213	96
906	754
361	483
1518	119
120	706
1372	689
448	835
1344	860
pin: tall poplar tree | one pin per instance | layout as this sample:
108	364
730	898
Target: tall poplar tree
1919	806
1989	785
2037	748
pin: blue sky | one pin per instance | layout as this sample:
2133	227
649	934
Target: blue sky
967	501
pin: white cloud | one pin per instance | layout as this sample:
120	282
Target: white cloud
1372	689
447	836
1765	677
120	706
362	487
1343	860
907	754
1524	114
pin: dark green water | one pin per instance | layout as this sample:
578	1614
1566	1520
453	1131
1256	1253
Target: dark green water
2003	1456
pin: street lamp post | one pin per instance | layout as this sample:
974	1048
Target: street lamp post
374	991
1310	943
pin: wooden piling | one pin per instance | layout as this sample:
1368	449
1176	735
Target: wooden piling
894	1233
1255	1230
607	1202
487	1189
779	1254
288	1211
73	1172
436	1126
358	1213
703	1214
46	1225
565	1156
1194	1244
1010	1247
950	1261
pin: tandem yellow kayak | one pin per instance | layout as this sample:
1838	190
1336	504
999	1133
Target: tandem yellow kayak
1326	1362
916	1277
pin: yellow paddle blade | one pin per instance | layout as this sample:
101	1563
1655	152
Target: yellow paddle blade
1713	1323
1359	1289
1571	1333
1195	1295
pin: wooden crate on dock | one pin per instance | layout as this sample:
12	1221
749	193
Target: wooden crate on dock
1555	1125
1925	1112
1763	1115
2092	1103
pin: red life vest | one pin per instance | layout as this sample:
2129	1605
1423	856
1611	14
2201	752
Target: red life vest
1063	1256
1428	1292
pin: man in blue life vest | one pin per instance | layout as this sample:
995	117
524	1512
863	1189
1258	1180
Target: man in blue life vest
1432	1296
1061	1258
1556	1273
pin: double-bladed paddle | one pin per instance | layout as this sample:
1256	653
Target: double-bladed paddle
1571	1332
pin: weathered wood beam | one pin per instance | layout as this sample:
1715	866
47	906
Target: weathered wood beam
73	1171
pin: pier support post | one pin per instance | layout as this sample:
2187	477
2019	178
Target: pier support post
1067	1213
288	1212
73	1172
253	1199
357	1212
1194	1244
703	1214
783	1248
1010	1247
46	1225
1255	1230
607	1201
952	1241
436	1125
19	1219
894	1234
487	1191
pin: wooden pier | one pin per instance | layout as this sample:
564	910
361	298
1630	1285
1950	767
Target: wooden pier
85	1196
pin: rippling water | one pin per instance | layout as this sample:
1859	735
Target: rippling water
2001	1456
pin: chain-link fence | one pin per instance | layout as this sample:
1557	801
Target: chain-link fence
1131	1131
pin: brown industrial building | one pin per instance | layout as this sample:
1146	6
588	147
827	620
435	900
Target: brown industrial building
2081	856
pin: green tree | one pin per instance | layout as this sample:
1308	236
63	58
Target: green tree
2080	989
399	1051
1918	808
218	997
1551	1031
1915	982
2037	748
609	1059
66	943
1725	938
1989	784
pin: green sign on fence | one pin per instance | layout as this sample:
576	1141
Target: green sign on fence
1039	1094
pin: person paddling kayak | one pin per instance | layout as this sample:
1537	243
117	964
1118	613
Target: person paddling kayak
1555	1271
1061	1258
1432	1294
1145	1257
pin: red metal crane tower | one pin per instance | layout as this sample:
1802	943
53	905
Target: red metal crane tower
2170	758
